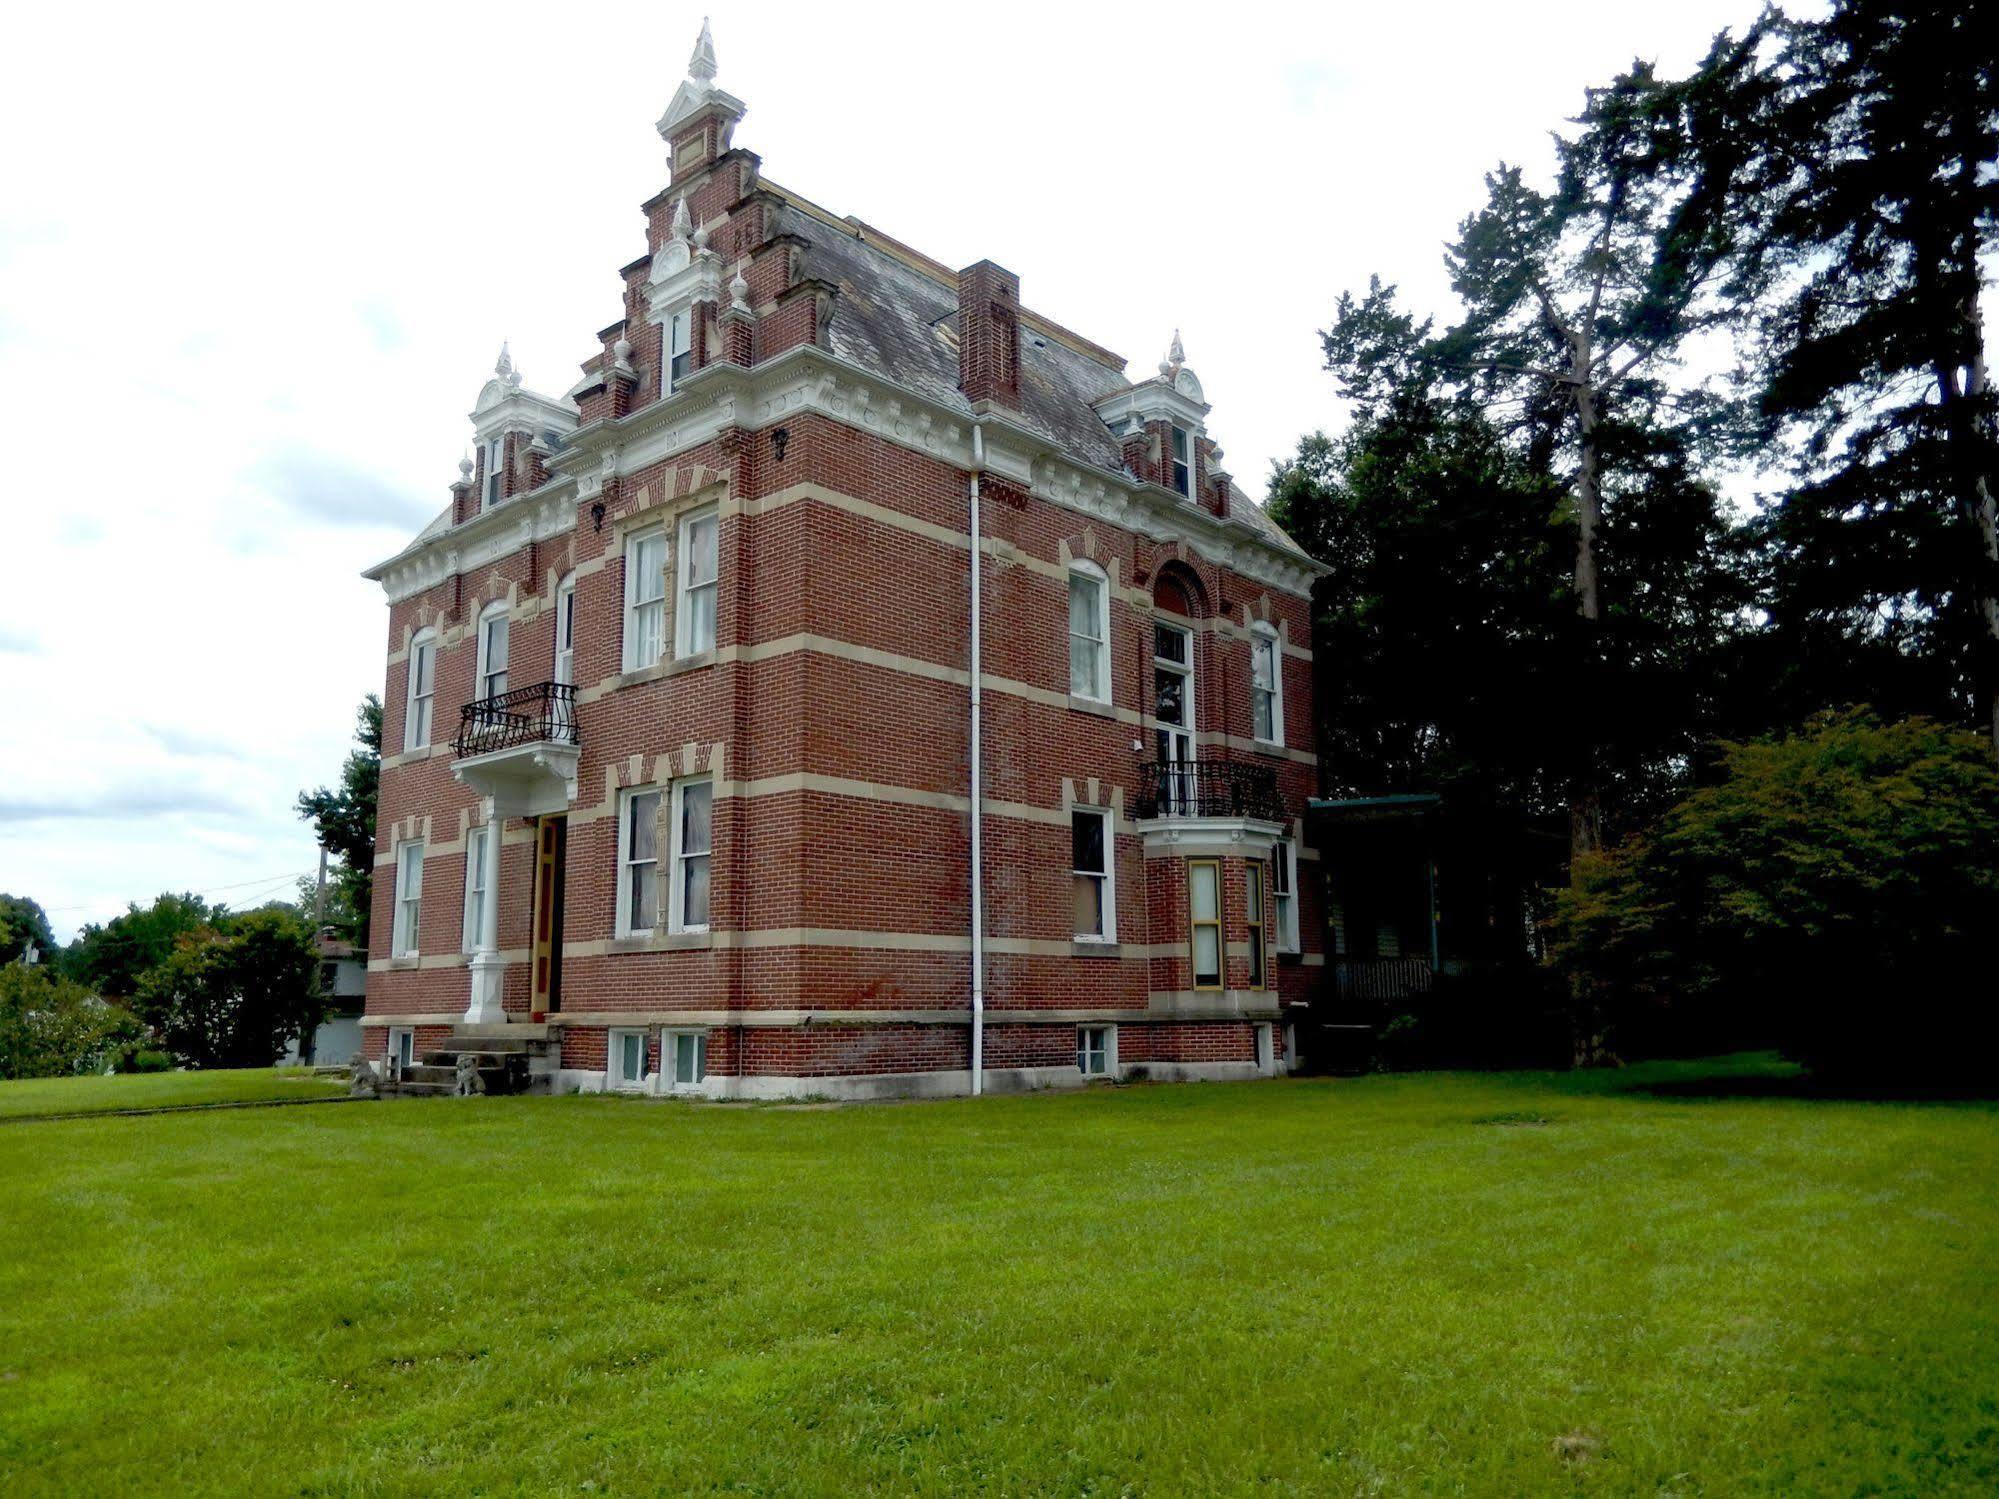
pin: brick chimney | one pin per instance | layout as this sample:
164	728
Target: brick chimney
989	334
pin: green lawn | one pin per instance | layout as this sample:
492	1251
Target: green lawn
1513	1285
160	1090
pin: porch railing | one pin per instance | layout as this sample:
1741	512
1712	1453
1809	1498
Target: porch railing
1380	980
1209	788
542	714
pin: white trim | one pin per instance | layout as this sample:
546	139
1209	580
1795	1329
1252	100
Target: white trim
491	484
684	641
406	933
1261	637
1107	876
422	655
643	648
495	613
1284	903
677	917
678	318
1100	690
392	1049
626	925
1187	435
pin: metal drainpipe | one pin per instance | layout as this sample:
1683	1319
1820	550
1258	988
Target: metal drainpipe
978	786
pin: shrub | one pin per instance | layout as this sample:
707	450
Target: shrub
1832	892
53	1027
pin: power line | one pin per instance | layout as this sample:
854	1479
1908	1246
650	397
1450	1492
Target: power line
275	879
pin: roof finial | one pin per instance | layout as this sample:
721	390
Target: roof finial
680	224
1176	356
701	66
504	366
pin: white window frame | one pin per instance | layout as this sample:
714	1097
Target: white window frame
419	707
685	587
407	934
639	652
1105	1051
677	900
1101	692
496	459
682	319
564	665
1173	464
669	1061
402	1039
1107	876
1262	636
615	1080
493	614
628	919
1256	920
475	882
1284	894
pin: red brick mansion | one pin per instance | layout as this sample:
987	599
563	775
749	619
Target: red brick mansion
853	685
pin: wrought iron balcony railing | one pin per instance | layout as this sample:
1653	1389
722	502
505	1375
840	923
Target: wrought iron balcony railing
542	714
1209	788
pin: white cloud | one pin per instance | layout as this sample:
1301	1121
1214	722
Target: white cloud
255	261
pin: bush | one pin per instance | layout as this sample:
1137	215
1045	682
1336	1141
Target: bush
1833	892
54	1027
232	994
146	1059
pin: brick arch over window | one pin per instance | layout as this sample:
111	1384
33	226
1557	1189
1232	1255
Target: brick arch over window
1178	589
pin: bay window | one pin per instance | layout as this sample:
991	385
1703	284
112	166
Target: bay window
1204	915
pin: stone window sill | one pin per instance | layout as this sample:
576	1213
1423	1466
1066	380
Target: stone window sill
1083	948
1091	705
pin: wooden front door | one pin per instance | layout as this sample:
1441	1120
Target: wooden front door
551	835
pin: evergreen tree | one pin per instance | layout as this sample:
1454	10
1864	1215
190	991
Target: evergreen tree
1879	209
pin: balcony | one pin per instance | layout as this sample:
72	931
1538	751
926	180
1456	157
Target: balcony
520	748
1208	788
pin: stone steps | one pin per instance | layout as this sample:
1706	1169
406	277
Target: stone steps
504	1060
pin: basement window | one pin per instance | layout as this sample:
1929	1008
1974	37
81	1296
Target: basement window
1096	1047
626	1055
687	1053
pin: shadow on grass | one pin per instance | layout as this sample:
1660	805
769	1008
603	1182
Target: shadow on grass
1765	1075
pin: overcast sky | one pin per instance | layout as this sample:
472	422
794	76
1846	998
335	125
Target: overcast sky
256	261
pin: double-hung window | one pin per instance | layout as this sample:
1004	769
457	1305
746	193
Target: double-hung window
1266	685
422	690
1090	843
1183	461
678	356
627	1059
638	863
493	651
496	457
1257	919
1204	914
694	626
475	884
684	1057
1093	1050
645	599
1283	898
1089	633
693	833
409	897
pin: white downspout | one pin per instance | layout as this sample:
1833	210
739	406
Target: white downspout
978	786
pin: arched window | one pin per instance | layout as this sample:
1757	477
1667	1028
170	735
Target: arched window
1089	632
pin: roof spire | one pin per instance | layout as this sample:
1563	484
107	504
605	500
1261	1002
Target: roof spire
680	224
701	66
504	366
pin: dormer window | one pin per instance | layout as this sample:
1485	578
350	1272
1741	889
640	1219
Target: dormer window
678	362
1183	461
496	452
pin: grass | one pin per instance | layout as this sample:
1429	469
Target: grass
43	1096
1519	1284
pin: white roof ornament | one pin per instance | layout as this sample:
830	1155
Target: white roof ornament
701	66
739	292
680	224
465	469
504	365
699	90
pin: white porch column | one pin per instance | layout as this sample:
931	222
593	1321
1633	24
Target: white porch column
485	1008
